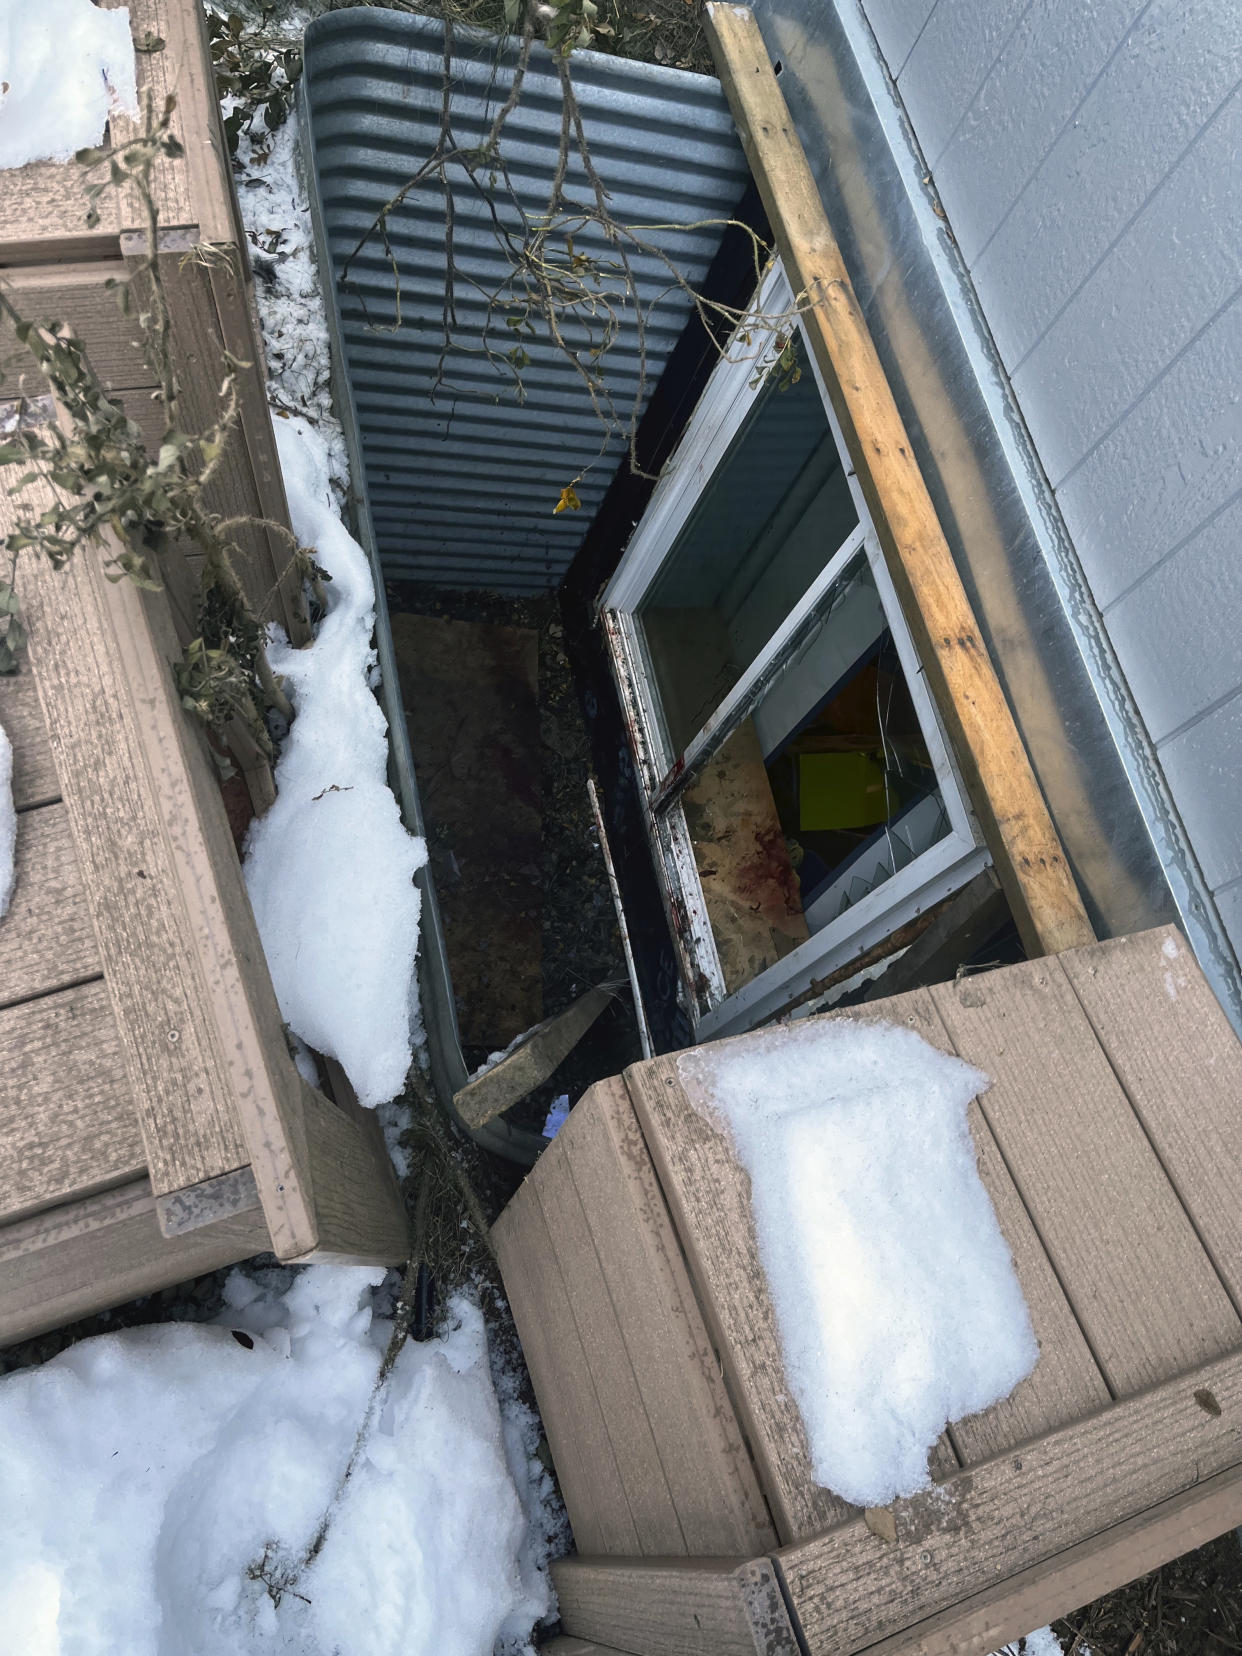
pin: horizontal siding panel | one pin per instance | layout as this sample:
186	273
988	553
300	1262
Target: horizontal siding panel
950	62
1177	633
1229	902
1143	304
1203	766
1046	68
1176	67
1173	462
463	477
896	24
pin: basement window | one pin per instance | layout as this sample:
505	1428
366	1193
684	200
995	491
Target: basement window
803	805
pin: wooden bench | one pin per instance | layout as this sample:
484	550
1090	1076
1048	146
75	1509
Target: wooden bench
1110	1142
152	1122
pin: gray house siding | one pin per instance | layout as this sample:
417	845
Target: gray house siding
1089	161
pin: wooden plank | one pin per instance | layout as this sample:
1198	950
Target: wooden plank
76	296
83	1257
207	1203
577	1433
1042	1594
1174	1052
43	206
1066	1383
67	1124
1136	1275
994	764
709	1470
21	714
619	1390
359	1212
961	925
674	1607
47	940
532	1061
849	1589
579	1647
101	721
709	1198
238	1001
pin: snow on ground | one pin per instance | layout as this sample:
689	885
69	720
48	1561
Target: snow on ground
64	68
161	1484
330	867
8	822
898	1305
1043	1642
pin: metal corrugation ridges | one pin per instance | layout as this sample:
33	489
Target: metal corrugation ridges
463	484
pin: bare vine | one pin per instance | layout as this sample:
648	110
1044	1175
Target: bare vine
79	443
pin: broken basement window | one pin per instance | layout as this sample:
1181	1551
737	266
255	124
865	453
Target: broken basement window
803	802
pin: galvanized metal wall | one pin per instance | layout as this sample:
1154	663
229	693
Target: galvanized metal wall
463	479
1088	160
1080	154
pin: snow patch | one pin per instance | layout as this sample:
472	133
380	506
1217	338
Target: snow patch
1043	1642
330	867
896	1298
65	66
158	1483
8	823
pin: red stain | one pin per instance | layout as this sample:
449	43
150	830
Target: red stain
767	877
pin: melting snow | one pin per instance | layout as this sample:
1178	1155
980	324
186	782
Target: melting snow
160	1483
330	867
895	1294
65	66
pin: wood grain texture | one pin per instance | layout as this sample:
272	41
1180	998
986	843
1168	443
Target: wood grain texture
849	1589
237	999
577	1432
618	1388
67	1123
43	207
359	1212
676	1608
1174	1052
999	1616
710	1474
995	767
92	701
47	940
76	295
1135	1273
21	714
709	1197
1066	1383
85	1256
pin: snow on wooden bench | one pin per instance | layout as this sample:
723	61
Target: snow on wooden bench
1110	1143
152	1122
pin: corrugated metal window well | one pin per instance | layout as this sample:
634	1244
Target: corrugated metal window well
776	787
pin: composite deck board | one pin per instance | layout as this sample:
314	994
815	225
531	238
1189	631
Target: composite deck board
1066	1382
76	295
1171	1047
177	1072
1142	1288
577	1432
673	1607
709	1198
710	1478
851	1589
67	1122
650	1501
21	716
47	940
52	1265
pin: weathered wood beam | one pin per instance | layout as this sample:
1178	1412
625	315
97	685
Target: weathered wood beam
994	763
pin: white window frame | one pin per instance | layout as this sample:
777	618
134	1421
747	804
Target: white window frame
662	774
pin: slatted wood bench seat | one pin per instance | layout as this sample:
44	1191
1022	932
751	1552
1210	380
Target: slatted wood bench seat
152	1122
1110	1142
